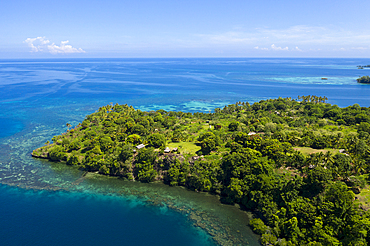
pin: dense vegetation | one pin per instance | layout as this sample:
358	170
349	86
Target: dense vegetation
297	164
364	80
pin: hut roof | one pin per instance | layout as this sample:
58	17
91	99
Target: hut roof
140	146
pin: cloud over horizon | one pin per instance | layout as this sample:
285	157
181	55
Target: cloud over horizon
274	47
307	38
41	44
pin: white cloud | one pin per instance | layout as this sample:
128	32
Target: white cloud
308	37
41	44
36	44
258	48
274	47
64	48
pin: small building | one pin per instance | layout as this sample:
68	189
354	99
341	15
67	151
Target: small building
174	149
251	133
140	146
167	150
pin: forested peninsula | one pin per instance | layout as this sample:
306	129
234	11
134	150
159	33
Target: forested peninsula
300	165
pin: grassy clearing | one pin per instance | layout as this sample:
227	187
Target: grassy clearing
207	127
308	150
364	198
284	170
185	147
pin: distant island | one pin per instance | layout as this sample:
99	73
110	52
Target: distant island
362	67
364	80
300	165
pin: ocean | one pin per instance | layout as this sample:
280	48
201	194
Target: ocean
44	203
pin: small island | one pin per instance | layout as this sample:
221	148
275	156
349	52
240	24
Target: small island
364	80
362	67
300	165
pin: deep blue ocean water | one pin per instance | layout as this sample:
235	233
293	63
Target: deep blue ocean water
44	203
63	218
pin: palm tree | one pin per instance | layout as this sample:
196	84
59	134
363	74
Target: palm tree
328	157
359	165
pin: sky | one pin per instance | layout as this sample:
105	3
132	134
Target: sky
171	28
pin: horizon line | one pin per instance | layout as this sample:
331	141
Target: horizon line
201	57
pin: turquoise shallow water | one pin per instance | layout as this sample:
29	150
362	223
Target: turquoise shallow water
48	203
